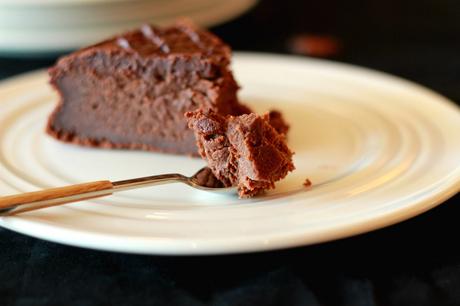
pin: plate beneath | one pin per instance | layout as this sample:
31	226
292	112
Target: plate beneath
378	150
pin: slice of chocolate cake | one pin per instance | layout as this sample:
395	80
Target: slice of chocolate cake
243	151
132	91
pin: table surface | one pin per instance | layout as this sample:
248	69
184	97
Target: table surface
412	263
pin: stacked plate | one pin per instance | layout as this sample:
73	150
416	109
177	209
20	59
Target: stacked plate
44	26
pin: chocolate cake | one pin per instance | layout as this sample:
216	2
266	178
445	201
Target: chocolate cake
243	151
132	90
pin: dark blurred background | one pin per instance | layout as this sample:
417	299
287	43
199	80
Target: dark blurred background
419	40
416	262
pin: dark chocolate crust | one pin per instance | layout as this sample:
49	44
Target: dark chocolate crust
132	91
243	151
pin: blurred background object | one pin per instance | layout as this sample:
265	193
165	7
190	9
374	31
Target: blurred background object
44	27
314	45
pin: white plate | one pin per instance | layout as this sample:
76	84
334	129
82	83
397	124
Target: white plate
29	27
378	150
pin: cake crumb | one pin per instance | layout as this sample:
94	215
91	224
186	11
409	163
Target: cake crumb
276	120
307	183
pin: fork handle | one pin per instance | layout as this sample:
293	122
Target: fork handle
13	204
